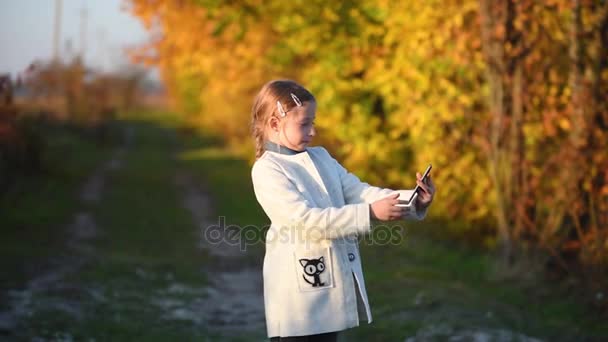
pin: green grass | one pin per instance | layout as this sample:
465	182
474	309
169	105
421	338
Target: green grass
422	282
228	178
149	244
142	210
428	283
146	261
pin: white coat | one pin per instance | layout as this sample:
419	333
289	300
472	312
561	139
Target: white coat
313	280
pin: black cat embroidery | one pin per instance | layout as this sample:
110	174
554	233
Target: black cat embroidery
313	268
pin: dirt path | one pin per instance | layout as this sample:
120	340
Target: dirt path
229	306
50	290
234	302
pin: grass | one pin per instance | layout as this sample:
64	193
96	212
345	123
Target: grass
145	257
228	178
148	246
149	270
147	264
425	284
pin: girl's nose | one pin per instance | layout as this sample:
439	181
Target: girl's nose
313	131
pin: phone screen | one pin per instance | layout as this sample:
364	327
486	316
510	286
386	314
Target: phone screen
424	175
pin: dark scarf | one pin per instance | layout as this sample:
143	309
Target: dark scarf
270	146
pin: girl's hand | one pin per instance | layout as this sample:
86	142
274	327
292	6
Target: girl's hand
385	209
427	191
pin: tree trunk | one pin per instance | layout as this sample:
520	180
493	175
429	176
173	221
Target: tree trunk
576	71
493	50
599	121
517	151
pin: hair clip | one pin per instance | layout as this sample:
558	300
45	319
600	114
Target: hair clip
296	100
281	110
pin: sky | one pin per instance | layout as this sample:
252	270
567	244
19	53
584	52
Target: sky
26	32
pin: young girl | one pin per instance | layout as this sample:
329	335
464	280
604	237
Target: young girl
313	280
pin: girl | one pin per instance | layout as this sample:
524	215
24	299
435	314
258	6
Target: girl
313	280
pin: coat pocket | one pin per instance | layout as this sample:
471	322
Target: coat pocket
314	269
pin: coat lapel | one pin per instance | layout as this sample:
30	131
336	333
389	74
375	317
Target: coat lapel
312	168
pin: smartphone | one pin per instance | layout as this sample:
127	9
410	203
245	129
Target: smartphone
417	188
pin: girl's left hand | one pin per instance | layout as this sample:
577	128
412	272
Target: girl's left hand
427	191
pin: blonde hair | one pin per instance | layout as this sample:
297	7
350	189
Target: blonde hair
265	106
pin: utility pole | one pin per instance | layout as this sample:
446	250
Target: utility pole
57	30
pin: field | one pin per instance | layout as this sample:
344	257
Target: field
110	243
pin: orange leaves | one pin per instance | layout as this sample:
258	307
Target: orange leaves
400	84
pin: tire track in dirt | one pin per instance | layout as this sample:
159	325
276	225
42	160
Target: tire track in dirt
233	305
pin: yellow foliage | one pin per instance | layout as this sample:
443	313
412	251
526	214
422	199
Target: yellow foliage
399	85
564	124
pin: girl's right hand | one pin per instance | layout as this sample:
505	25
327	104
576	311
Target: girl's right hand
385	209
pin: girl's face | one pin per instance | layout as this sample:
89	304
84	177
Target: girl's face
296	130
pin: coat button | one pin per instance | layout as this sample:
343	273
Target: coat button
351	257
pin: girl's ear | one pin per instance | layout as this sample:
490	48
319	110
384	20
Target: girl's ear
274	123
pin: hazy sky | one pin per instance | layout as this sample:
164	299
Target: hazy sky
26	32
